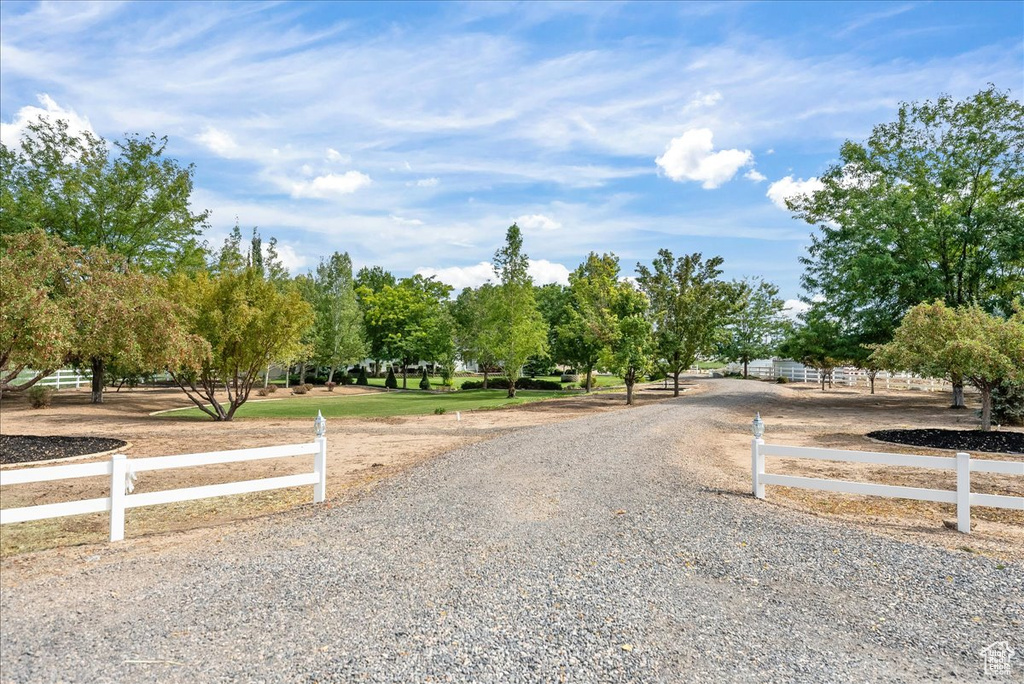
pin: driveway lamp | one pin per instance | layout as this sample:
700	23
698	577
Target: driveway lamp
757	426
320	425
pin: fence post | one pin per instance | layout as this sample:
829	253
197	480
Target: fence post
118	475
757	466
320	460
963	492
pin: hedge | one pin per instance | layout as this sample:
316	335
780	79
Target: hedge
521	383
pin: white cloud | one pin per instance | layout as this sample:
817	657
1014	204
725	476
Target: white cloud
541	270
537	222
691	157
404	221
337	157
785	188
424	182
218	141
11	133
461	277
755	175
702	100
290	259
330	185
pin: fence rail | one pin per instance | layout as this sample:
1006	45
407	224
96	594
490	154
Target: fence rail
962	464
123	471
848	377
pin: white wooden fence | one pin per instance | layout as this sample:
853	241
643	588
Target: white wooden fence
963	464
846	376
123	472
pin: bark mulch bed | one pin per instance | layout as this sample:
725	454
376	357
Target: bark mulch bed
962	440
27	448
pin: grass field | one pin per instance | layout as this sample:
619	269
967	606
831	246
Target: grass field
435	380
376	405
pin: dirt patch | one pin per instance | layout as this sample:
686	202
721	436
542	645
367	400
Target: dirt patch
29	448
361	452
965	440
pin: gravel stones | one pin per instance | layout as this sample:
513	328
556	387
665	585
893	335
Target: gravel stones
585	551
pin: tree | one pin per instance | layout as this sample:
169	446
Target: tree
129	200
407	320
471	313
588	324
819	343
632	346
938	340
35	307
246	321
758	324
338	327
928	208
515	328
690	307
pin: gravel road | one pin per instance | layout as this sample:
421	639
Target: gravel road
584	551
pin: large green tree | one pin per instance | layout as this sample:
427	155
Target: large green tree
819	341
938	340
631	348
338	326
929	207
471	313
515	327
758	324
588	323
690	308
128	198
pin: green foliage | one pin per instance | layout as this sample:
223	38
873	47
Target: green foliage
521	383
425	381
471	313
247	321
440	411
391	382
689	305
338	329
937	340
129	200
515	329
39	397
757	326
1008	404
927	208
819	342
630	352
362	379
586	324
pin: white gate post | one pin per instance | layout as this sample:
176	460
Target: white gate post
963	492
118	475
757	466
320	460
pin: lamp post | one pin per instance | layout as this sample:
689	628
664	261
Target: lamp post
756	457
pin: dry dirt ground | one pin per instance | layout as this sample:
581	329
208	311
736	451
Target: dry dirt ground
361	452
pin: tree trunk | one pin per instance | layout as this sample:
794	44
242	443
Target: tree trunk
986	408
287	374
958	394
629	392
590	375
97	380
512	389
822	374
405	375
871	379
266	377
485	377
745	362
330	375
675	384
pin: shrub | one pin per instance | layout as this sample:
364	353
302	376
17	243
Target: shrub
270	389
261	392
473	384
1008	404
781	380
521	383
424	381
346	379
391	382
299	389
308	386
331	386
440	410
570	376
40	397
362	379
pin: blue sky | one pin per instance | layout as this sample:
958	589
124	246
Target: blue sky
412	134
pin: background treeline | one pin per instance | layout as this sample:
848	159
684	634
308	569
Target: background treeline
916	263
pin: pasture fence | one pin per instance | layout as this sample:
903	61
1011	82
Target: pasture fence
123	473
962	464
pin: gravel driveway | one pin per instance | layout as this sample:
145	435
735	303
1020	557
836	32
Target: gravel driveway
585	551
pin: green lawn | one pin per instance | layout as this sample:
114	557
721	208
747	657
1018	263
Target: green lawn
435	380
377	405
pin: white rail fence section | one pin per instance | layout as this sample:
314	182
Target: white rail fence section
850	377
123	472
963	464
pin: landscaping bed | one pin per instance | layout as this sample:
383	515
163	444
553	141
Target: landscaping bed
28	448
961	440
